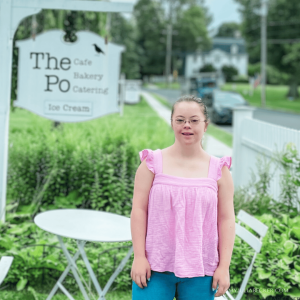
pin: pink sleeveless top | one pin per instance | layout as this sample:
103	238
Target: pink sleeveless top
182	232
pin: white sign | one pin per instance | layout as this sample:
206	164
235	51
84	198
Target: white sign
68	82
133	90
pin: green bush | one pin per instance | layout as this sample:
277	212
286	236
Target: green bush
208	68
84	165
277	266
240	79
278	263
274	76
102	174
229	72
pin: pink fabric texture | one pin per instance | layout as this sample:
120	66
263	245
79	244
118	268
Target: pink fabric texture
182	232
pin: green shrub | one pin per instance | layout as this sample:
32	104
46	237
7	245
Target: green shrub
229	72
240	79
208	68
274	76
84	165
278	263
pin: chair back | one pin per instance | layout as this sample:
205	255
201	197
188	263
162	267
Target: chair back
256	243
5	264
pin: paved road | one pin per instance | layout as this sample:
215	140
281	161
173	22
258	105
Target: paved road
285	119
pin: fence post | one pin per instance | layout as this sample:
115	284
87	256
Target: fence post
239	114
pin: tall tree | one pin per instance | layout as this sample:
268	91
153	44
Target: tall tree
228	29
150	22
190	21
282	34
124	32
192	31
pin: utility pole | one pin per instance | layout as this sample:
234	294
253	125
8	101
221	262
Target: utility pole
263	54
169	43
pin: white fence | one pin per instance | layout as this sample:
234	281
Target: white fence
252	138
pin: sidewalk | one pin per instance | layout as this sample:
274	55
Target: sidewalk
211	145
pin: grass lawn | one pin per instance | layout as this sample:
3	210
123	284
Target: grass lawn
172	86
139	125
220	134
275	96
162	100
213	130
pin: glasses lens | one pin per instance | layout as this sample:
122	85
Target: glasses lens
182	121
179	121
195	121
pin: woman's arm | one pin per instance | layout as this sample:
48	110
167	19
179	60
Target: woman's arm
226	229
138	222
226	217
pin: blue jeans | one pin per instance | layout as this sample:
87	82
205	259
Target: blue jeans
166	286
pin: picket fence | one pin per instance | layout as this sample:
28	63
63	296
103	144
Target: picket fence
253	138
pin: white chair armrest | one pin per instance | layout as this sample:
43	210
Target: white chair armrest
5	264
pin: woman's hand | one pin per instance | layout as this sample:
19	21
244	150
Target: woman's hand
221	277
140	271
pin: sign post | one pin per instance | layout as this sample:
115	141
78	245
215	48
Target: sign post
11	13
122	93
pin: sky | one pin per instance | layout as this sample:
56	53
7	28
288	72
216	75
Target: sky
221	10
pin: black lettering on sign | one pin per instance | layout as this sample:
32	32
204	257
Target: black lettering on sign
36	58
49	82
68	86
48	63
54	107
65	61
66	107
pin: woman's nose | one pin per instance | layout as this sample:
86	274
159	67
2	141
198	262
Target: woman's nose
187	123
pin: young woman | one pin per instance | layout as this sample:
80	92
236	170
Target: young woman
182	218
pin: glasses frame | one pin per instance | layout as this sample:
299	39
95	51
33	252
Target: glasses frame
189	122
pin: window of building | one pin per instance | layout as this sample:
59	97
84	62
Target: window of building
234	49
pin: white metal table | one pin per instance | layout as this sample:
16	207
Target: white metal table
85	225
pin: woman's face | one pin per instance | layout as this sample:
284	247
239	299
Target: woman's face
188	111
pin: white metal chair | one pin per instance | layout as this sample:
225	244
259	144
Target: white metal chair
5	264
250	239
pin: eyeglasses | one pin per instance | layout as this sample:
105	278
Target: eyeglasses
181	121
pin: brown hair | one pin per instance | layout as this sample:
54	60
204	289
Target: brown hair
190	98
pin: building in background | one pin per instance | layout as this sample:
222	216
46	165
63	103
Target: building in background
225	51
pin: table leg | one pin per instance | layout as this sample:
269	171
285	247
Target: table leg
62	277
73	268
115	274
88	266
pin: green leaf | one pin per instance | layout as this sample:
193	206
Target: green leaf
265	292
294	292
20	229
263	274
6	242
297	265
295	233
294	275
281	264
21	284
288	247
287	260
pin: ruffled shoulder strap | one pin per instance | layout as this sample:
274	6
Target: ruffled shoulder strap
223	161
149	156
